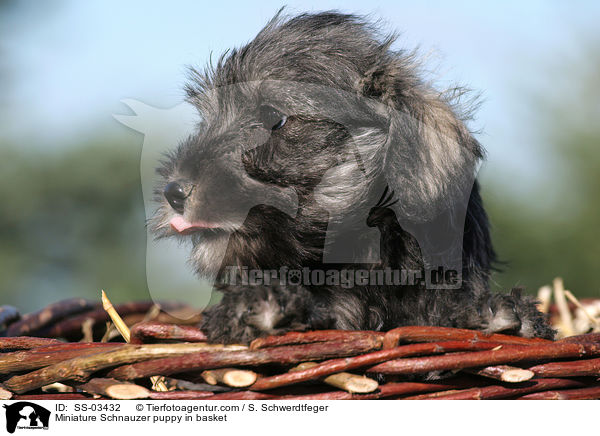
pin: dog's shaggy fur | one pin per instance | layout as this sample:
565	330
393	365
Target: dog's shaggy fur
322	114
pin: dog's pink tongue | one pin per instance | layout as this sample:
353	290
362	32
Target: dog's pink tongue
180	225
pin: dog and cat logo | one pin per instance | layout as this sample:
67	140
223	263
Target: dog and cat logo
26	415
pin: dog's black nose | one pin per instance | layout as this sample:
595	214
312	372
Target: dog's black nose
175	195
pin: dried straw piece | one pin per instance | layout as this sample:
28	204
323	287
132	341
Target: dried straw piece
544	298
566	327
87	331
131	313
576	302
158	383
116	318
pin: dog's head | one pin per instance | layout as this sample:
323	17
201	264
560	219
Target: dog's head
316	111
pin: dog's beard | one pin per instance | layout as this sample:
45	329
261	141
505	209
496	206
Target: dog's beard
207	249
208	252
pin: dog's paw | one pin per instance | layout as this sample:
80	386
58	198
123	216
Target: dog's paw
277	309
514	314
246	313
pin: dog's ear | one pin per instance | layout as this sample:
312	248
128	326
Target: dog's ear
430	160
430	155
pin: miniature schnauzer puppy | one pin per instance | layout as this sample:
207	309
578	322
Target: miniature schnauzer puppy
328	185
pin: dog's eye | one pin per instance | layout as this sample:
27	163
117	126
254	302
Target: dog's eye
271	118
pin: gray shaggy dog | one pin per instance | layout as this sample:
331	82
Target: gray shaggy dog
328	186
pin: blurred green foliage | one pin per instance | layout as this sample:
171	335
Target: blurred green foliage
72	223
554	231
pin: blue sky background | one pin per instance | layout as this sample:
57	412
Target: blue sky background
71	62
65	66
